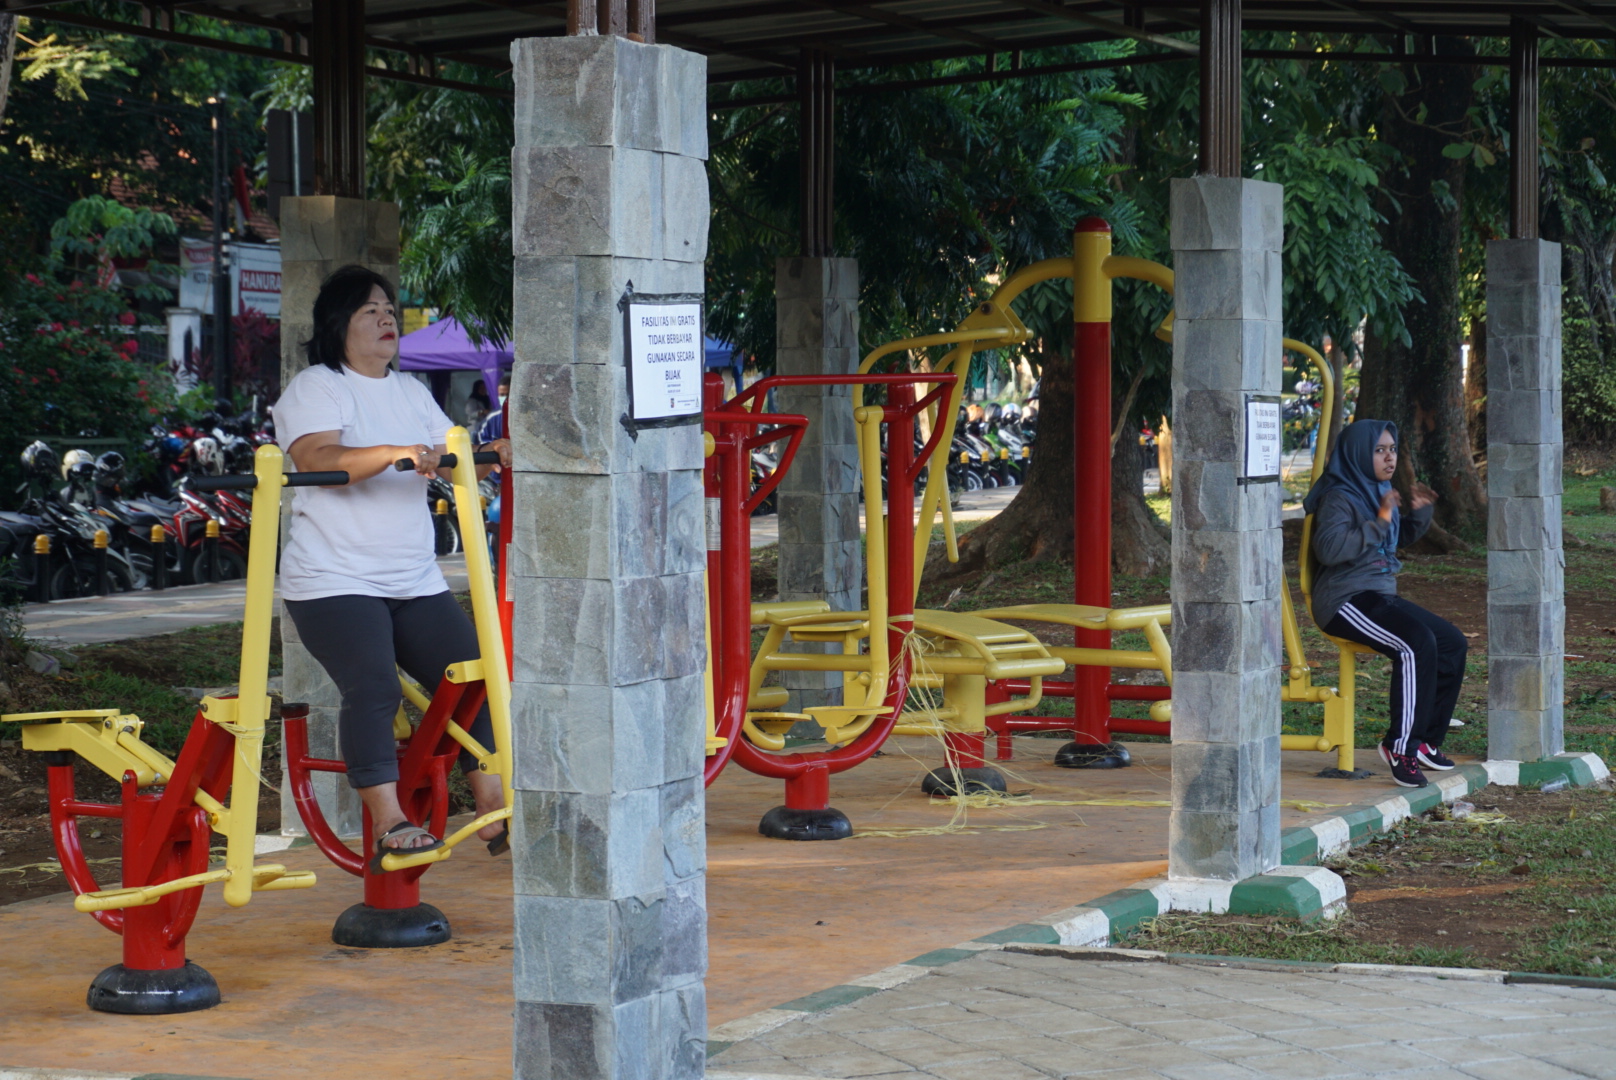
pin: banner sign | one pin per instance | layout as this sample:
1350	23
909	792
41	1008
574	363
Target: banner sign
255	276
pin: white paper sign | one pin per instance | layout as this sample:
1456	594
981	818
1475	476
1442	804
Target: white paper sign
665	353
1263	446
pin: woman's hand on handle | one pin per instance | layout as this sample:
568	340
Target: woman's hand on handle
320	451
1389	503
502	447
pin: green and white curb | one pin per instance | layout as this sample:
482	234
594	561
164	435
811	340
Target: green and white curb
1298	889
1306	845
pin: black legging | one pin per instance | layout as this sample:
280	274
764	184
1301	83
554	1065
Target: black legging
1422	701
361	641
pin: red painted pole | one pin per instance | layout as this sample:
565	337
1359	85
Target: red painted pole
1091	466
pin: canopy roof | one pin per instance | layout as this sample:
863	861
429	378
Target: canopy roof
759	38
445	346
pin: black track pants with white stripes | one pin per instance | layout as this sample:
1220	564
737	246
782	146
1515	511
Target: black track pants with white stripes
1428	663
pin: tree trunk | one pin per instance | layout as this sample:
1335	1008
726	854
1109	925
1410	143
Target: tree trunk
1037	524
8	50
1164	456
1418	386
1336	356
1138	546
1476	382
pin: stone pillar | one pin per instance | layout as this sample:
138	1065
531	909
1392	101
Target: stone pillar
610	187
320	233
1227	574
816	316
1525	560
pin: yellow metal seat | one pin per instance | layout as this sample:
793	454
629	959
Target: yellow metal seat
963	653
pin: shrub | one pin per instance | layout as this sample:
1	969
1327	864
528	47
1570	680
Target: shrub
1588	375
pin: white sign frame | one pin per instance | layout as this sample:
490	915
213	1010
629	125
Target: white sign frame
1265	440
664	349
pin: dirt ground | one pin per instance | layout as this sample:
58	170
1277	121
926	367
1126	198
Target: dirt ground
1422	892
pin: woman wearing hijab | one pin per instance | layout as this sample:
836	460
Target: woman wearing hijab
1358	524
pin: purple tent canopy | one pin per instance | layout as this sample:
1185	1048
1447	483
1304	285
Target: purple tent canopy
445	346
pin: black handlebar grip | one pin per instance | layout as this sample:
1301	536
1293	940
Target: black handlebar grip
233	482
449	461
317	479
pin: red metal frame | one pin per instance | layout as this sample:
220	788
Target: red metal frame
727	479
165	837
807	775
424	761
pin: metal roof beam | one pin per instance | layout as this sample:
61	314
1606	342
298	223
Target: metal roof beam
1060	11
875	14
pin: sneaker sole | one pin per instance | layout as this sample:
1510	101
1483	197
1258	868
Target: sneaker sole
1410	784
1428	764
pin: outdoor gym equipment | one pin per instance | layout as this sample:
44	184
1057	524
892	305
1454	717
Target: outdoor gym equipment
874	659
392	915
1092	268
169	808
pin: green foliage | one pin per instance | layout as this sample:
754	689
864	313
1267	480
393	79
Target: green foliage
1588	374
937	190
459	256
1337	272
67	368
97	230
70	65
132	111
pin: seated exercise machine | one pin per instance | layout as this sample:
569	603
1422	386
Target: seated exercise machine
170	808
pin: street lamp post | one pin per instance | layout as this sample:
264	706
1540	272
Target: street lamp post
221	273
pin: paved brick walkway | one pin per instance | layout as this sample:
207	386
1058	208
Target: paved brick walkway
1011	1016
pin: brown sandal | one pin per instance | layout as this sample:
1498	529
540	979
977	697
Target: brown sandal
403	830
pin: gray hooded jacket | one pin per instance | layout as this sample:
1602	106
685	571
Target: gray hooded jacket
1354	553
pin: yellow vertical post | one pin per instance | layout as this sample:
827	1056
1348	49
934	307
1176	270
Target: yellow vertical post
484	604
252	691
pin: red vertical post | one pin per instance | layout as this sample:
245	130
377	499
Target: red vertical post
1091	467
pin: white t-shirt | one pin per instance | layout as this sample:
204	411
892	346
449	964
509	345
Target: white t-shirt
373	538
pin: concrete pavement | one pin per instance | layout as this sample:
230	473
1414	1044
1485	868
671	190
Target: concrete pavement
1003	1015
96	619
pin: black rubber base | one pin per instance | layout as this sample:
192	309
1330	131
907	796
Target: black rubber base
940	782
1080	755
784	823
1342	774
152	993
362	927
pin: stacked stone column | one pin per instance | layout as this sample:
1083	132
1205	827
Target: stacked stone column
1525	558
609	187
319	234
1227	574
816	313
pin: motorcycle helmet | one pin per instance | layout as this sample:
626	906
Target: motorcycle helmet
75	458
992	413
206	457
38	459
109	470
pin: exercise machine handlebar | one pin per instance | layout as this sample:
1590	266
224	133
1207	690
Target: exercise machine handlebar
449	461
249	481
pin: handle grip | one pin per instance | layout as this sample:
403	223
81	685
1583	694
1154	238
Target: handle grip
449	461
233	482
247	481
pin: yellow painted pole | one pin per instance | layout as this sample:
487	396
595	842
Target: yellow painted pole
252	696
484	606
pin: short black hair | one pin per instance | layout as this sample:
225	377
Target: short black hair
343	293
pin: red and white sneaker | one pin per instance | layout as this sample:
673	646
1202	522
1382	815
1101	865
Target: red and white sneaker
1405	768
1432	758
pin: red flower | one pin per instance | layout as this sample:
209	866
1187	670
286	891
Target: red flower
56	327
33	279
127	318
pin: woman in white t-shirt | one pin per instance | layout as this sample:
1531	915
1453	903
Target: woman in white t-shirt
358	574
